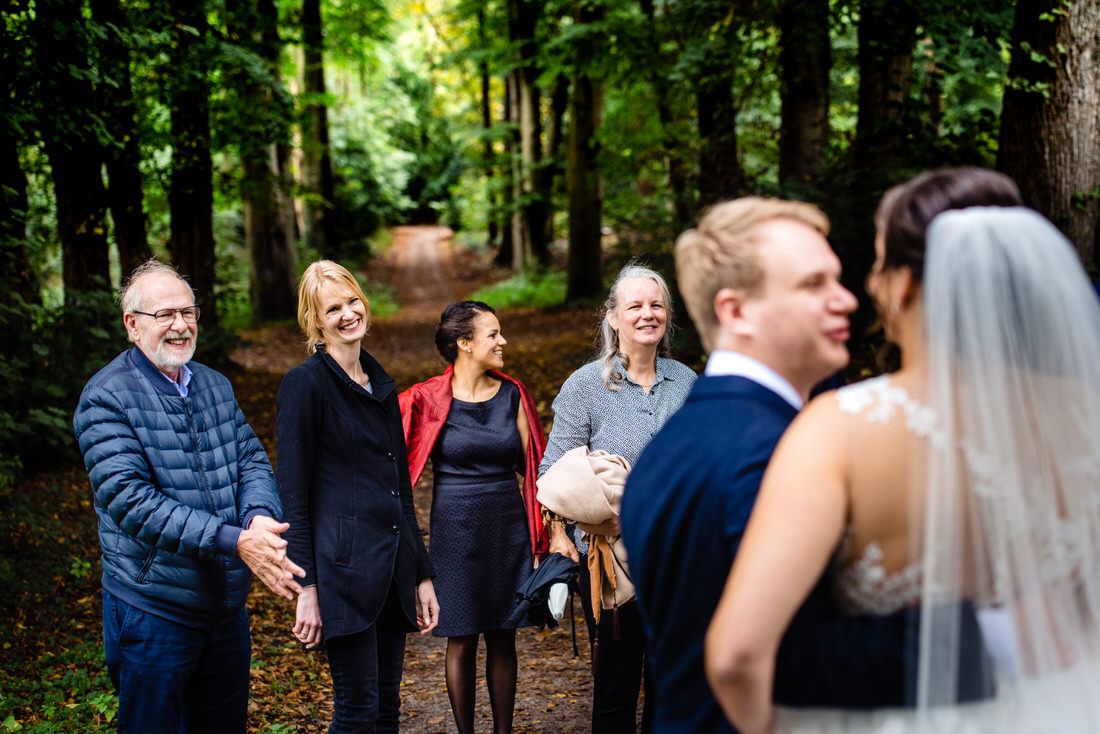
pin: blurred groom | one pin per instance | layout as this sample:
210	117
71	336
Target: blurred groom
763	287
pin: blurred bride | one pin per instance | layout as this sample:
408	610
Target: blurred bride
971	474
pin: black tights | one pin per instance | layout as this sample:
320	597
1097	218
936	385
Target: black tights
500	672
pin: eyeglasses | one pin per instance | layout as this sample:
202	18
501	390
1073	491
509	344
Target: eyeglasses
166	316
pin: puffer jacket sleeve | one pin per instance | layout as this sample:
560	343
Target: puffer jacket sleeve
257	493
125	487
298	415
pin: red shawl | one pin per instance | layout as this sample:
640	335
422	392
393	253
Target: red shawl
424	409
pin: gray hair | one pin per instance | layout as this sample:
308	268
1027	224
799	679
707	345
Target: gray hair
129	296
609	338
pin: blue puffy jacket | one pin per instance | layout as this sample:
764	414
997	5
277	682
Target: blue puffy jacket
175	479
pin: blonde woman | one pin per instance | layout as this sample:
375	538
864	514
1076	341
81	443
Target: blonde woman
344	482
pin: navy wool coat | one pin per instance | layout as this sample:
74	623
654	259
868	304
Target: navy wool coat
343	479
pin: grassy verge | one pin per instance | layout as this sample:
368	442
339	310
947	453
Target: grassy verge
529	289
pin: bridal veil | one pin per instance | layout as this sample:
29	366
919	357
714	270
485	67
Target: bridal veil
1011	508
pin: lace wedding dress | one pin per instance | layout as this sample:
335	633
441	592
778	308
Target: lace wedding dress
862	585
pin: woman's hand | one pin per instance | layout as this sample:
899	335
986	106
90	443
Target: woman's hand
427	608
560	542
307	624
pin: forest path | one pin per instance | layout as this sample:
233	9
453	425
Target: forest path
426	272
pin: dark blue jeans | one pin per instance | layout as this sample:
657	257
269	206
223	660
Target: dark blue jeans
173	679
366	672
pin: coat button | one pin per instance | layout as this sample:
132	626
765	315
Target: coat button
393	492
390	456
396	530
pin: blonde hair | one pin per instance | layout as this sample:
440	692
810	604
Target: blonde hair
609	338
309	317
721	252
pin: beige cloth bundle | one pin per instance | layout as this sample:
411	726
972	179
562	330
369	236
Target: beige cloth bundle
587	486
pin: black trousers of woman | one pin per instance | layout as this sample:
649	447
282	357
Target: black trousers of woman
366	672
618	665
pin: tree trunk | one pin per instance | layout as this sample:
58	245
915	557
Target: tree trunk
584	268
675	160
520	224
1050	123
554	155
887	34
486	125
266	222
68	131
720	174
116	102
507	234
805	58
523	19
191	191
315	140
16	276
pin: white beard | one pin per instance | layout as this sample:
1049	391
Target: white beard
173	361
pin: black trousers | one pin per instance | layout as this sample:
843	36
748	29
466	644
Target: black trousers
619	665
366	672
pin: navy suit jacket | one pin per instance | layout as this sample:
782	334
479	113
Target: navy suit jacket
684	510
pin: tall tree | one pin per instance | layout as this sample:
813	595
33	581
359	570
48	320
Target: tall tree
123	155
509	214
316	151
721	175
805	58
523	20
887	35
1050	123
656	65
263	120
191	189
16	277
485	105
68	128
584	267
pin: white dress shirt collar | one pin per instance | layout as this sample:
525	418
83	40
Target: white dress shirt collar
722	362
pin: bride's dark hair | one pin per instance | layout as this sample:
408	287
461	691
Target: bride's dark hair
907	209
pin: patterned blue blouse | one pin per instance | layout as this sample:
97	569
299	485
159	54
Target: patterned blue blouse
620	422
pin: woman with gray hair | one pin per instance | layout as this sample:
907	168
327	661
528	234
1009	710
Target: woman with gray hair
617	403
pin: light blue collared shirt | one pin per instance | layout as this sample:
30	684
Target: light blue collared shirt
183	383
723	362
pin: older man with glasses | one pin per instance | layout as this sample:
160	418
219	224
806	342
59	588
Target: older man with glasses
188	511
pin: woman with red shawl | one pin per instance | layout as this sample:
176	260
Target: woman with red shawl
480	428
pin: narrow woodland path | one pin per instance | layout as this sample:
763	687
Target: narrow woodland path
426	272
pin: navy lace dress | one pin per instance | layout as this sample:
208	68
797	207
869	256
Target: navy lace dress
479	541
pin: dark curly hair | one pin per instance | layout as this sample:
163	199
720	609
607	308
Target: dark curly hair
457	322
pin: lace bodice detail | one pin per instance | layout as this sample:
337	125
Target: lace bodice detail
862	585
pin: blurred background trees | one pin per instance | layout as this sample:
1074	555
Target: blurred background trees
241	138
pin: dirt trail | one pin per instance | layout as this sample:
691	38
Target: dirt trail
426	272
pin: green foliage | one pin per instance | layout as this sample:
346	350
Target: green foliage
528	289
67	691
52	676
50	352
437	163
